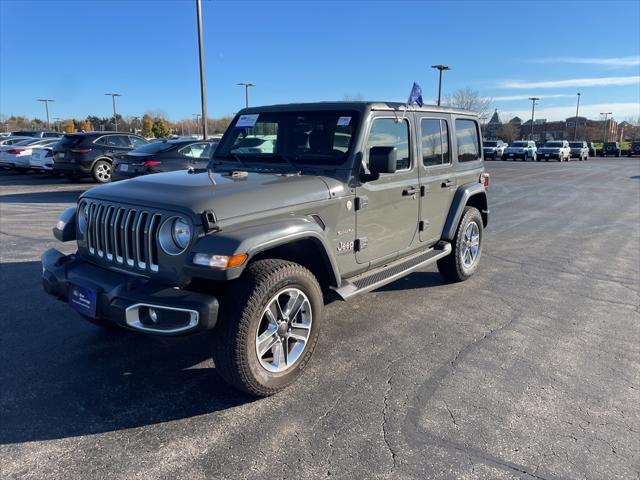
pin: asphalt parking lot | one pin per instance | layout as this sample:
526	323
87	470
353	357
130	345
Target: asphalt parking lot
531	369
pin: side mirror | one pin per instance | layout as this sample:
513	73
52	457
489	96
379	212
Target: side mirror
382	160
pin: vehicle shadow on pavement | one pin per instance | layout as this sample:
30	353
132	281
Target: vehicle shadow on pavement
415	280
63	196
63	377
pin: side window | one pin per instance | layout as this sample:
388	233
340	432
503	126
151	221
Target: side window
467	140
435	142
387	132
117	141
137	142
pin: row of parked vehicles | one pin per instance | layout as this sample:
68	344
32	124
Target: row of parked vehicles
102	156
561	150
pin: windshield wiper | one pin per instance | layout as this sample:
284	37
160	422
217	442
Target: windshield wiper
287	160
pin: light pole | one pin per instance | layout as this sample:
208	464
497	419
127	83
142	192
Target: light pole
57	121
246	91
440	68
575	127
203	87
533	111
605	133
46	108
113	100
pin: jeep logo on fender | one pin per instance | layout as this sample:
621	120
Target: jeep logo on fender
345	246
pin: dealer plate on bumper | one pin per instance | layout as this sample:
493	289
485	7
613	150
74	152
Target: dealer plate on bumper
83	300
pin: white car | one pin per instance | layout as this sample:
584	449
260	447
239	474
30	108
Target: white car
255	144
10	140
42	158
558	149
17	155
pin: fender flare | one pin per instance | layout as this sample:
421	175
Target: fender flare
460	199
255	239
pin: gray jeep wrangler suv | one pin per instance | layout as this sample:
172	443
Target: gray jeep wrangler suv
298	201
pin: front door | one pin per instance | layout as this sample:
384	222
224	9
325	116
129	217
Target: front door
437	180
387	208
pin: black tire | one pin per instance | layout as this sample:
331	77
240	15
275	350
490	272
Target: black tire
451	267
101	171
239	320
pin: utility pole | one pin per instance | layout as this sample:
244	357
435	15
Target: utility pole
203	87
533	111
605	133
246	91
46	108
575	126
440	68
113	100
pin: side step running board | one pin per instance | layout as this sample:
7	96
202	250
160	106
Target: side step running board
367	281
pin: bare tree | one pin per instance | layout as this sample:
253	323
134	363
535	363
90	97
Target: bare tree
468	99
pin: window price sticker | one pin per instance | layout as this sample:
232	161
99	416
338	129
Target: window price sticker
344	121
247	121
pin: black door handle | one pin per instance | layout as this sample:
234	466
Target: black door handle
446	184
408	192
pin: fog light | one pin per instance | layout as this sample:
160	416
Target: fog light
153	315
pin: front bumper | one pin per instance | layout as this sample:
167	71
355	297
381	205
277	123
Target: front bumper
555	155
515	155
126	300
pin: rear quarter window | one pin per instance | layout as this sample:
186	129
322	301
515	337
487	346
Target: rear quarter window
468	140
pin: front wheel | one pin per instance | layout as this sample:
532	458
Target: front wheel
464	258
269	326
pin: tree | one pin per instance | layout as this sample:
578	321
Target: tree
85	126
160	128
69	126
468	99
508	132
147	126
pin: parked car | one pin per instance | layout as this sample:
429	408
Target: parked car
16	156
493	149
522	149
42	158
248	252
611	149
579	150
92	153
555	149
165	156
255	144
634	148
592	149
9	140
37	134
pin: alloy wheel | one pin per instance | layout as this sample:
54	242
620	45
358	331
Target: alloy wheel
470	245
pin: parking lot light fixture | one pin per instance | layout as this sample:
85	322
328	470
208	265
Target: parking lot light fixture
440	68
246	91
113	100
605	134
575	126
46	108
203	85
533	111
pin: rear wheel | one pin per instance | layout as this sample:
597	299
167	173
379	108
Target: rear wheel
464	258
268	331
102	171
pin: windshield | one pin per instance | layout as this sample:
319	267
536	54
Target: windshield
576	144
155	147
311	137
71	140
490	144
553	144
519	144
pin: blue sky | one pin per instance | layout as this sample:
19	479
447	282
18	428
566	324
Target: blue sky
75	51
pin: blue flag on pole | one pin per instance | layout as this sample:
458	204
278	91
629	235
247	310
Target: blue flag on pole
416	95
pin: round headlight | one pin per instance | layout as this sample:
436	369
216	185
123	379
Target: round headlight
83	216
174	235
181	233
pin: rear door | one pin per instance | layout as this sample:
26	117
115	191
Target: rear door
387	208
117	145
437	180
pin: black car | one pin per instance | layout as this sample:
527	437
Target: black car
611	148
92	153
164	156
634	149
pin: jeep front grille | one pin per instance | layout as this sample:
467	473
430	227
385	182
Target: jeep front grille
123	235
